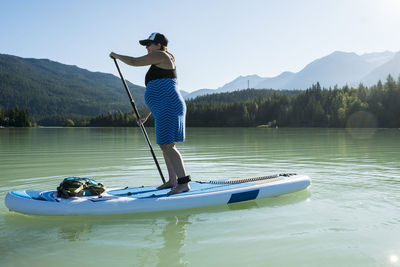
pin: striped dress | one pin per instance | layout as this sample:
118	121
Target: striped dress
168	108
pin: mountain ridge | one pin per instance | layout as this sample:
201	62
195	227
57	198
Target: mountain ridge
338	68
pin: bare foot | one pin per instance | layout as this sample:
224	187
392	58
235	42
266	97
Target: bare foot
169	184
180	188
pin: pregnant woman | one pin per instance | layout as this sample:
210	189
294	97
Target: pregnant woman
166	105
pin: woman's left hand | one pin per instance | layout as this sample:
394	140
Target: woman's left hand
143	120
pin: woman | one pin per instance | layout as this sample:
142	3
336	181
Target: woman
166	104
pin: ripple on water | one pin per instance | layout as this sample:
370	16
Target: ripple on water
348	216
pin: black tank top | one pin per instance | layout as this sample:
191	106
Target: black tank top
155	73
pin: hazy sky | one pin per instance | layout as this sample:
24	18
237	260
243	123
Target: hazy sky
213	41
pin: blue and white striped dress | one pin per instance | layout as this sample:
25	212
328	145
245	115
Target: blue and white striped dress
168	108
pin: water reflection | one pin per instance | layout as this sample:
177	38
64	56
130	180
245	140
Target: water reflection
76	232
243	205
174	235
11	136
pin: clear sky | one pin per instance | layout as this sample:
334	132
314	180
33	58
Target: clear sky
214	41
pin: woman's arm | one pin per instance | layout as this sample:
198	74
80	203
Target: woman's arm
154	58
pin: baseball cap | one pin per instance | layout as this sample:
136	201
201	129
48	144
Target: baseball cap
155	37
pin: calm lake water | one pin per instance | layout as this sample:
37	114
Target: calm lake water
350	216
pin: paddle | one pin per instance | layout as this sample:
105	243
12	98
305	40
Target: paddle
140	124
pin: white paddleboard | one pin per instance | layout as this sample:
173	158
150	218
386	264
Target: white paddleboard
149	199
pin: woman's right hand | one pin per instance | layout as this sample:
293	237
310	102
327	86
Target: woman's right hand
113	55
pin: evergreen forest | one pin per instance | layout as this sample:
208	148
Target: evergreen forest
361	107
376	106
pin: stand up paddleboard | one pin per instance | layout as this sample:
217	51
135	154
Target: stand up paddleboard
149	199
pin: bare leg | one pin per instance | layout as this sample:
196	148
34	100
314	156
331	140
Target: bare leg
171	183
174	158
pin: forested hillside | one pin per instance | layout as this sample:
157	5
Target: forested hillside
376	106
50	89
243	95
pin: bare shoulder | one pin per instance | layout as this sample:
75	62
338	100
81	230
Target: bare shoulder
167	60
161	55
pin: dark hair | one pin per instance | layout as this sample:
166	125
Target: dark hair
164	49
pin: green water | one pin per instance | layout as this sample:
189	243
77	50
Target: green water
349	217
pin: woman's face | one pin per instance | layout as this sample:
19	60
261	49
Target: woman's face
152	47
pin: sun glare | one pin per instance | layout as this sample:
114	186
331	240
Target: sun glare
395	4
393	258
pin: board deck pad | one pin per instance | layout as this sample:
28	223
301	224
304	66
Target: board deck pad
152	191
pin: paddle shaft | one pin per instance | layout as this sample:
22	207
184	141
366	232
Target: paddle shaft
138	117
